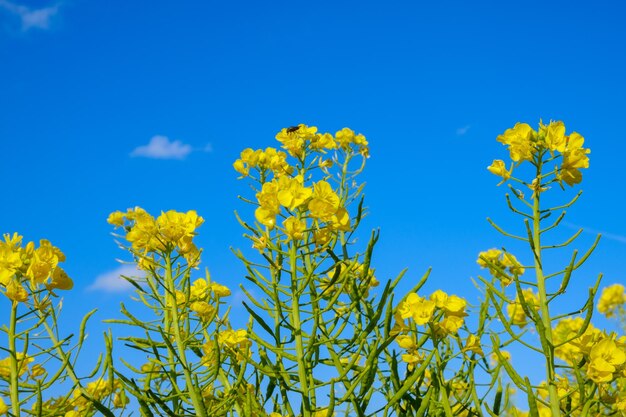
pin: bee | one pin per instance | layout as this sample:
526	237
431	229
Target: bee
292	129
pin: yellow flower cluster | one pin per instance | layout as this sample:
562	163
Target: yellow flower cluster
263	160
453	308
319	203
38	265
422	311
297	139
611	300
501	265
170	230
524	143
98	390
605	356
515	310
200	292
23	361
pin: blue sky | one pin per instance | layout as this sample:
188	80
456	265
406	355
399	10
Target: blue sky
86	86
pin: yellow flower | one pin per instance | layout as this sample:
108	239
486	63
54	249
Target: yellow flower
116	218
605	359
411	358
612	298
554	135
324	202
566	330
505	354
199	289
202	309
417	308
234	338
22	365
10	258
44	259
120	400
324	141
36	371
574	158
472	344
346	137
294	228
322	236
174	226
499	263
142	234
269	206
520	140
498	168
341	220
291	192
219	290
439	298
405	342
3	407
321	413
60	280
16	292
516	311
451	324
454	306
294	138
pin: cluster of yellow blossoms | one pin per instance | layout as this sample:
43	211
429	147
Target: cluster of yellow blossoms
171	230
321	201
604	354
612	300
525	143
263	160
516	311
316	207
297	139
422	312
502	265
38	265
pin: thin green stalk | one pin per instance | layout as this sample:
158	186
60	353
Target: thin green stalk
14	383
195	397
546	339
297	325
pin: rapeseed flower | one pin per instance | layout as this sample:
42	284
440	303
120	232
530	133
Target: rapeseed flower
611	299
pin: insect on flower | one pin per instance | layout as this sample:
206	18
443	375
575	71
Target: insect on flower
292	129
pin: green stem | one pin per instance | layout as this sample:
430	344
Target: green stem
196	397
14	383
297	325
546	338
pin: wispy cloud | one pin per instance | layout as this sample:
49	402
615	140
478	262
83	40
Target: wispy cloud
161	147
31	18
462	130
590	230
113	282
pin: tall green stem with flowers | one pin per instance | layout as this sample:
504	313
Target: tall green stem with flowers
556	159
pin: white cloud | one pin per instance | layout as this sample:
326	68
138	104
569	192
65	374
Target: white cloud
31	18
160	147
462	130
112	281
